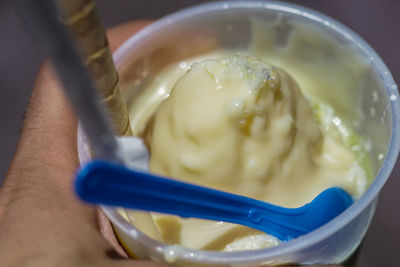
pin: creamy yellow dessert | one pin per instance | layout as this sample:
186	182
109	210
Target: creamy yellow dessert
235	122
241	125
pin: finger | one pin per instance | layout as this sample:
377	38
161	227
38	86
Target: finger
47	143
49	132
40	210
38	187
48	137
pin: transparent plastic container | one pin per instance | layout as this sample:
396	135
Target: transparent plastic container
171	38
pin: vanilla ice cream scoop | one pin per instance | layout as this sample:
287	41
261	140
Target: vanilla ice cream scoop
234	124
241	125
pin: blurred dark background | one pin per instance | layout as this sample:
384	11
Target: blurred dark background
378	22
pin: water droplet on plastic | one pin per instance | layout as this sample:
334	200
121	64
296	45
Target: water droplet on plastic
372	112
374	96
171	253
183	64
255	216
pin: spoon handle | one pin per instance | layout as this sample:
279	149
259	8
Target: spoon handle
110	184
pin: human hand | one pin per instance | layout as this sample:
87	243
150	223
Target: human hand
42	223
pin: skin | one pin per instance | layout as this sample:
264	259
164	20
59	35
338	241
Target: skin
42	223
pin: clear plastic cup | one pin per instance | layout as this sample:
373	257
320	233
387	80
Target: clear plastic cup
144	54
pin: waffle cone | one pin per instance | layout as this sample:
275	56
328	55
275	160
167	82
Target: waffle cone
83	22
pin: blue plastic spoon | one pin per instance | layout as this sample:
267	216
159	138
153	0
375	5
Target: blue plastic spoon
111	184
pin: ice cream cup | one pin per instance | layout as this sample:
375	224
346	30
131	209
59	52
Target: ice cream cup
193	31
